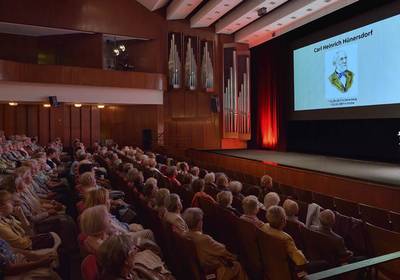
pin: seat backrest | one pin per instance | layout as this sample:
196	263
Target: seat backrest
304	195
353	232
247	248
395	219
189	265
324	201
347	208
384	242
303	209
286	190
376	216
89	268
294	230
321	247
262	215
274	257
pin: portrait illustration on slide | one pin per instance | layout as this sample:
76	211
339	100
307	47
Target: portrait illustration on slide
340	69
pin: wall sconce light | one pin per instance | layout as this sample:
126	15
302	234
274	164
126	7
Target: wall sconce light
46	105
12	103
122	47
101	106
77	105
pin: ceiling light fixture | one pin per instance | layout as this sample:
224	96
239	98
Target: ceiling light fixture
77	105
47	105
101	106
12	103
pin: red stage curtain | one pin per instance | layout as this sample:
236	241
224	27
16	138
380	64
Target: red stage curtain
269	86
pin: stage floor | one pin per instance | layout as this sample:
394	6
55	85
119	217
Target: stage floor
378	172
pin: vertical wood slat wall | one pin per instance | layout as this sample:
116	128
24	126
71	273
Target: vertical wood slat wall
66	122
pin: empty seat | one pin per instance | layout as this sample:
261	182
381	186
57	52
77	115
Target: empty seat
304	195
384	242
347	208
376	216
294	230
395	219
324	201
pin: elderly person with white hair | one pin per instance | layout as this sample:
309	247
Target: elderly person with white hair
195	171
266	186
173	214
209	180
222	182
250	205
210	252
292	210
95	223
224	199
276	222
120	258
149	191
327	220
271	199
160	201
236	187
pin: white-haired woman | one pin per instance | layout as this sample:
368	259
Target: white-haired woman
251	207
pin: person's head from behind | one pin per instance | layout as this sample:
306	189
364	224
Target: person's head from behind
327	218
51	153
222	181
172	171
150	187
194	218
160	197
250	205
95	221
340	61
115	257
195	171
224	198
198	185
209	178
235	187
6	203
291	208
266	182
183	167
100	196
87	180
276	217
173	203
271	199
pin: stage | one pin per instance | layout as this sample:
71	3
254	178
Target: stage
373	183
377	172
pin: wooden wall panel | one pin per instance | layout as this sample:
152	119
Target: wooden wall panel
44	125
2	116
85	125
67	126
56	122
75	123
33	120
95	125
21	120
10	120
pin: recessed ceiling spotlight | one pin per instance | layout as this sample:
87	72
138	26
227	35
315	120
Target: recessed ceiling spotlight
47	105
226	5
279	24
77	105
101	106
12	103
309	10
293	17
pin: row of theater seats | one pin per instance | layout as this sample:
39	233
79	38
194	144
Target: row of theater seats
260	254
379	217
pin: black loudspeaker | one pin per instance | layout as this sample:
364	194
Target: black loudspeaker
214	104
53	101
147	139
